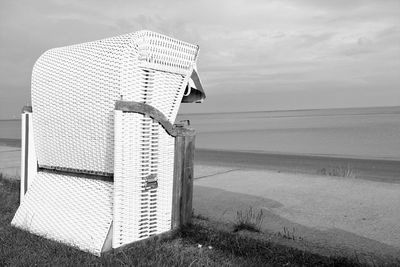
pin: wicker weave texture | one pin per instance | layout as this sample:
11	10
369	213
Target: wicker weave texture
143	151
165	180
74	90
72	210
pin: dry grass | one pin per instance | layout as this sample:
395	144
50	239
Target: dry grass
345	171
249	220
288	234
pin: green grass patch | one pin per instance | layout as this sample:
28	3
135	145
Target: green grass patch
201	244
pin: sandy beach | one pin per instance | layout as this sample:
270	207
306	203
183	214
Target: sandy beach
328	214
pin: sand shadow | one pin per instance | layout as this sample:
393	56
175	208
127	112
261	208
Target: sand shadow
221	205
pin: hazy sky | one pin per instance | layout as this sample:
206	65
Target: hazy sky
255	55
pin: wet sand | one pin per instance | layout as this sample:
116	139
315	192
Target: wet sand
371	169
10	142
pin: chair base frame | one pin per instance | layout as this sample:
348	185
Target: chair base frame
43	188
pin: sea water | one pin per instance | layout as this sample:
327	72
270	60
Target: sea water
361	133
10	129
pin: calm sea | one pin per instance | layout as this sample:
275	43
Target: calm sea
361	133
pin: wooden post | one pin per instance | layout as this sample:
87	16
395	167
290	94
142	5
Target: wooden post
183	180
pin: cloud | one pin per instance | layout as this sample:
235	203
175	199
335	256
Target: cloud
246	46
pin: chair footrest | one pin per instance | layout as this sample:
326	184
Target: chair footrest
68	209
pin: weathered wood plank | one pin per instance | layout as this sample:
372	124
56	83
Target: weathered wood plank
183	181
187	181
155	114
177	182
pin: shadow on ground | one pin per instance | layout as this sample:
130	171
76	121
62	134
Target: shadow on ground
221	205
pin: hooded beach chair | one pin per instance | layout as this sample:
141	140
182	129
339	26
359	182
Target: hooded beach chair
98	143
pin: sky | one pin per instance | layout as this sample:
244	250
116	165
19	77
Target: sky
254	54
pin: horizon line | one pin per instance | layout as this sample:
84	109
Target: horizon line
255	111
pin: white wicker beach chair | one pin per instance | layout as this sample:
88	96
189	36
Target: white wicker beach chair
98	143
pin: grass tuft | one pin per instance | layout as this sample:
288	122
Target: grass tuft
289	234
249	220
339	171
200	217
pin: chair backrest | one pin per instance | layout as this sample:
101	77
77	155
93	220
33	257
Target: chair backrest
74	90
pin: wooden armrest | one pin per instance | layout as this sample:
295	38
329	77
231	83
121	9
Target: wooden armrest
145	109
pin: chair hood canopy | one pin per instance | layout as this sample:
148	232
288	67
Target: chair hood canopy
74	90
194	91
